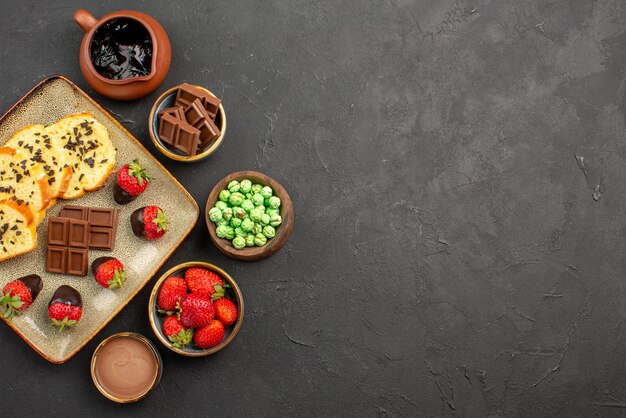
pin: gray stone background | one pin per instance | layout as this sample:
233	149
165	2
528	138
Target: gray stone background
449	256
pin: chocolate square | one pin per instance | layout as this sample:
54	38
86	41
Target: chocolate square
58	231
101	238
74	212
77	261
186	94
56	259
208	133
188	139
195	113
78	235
211	105
168	128
175	111
102	217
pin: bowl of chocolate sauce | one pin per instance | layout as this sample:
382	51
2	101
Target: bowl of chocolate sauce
124	55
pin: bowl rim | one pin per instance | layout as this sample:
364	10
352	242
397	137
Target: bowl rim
282	233
157	329
150	345
154	136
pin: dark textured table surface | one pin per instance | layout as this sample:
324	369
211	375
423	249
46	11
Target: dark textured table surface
450	256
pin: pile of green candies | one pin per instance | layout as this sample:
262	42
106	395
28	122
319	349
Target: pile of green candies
246	214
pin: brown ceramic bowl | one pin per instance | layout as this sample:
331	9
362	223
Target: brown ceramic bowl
166	100
156	319
129	88
282	231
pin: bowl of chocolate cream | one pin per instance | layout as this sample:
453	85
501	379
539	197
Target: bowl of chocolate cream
126	367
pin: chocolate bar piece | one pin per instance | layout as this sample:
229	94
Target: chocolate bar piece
208	132
186	94
195	112
211	105
188	138
102	224
175	111
168	128
67	246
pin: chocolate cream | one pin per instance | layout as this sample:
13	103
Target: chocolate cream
126	367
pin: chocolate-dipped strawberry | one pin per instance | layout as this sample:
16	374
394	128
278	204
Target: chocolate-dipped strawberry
65	307
109	272
132	180
19	294
149	222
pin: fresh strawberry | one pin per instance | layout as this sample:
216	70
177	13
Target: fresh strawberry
225	311
176	333
196	311
65	307
20	294
149	222
132	180
172	289
210	335
109	272
202	281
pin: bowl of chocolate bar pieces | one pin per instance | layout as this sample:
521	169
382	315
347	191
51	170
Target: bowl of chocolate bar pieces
187	123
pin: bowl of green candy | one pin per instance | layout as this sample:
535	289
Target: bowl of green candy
249	215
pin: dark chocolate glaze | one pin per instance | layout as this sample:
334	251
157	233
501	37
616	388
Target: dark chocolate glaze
34	283
122	48
136	222
67	295
121	196
98	262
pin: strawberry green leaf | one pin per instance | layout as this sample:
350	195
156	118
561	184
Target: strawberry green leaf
161	221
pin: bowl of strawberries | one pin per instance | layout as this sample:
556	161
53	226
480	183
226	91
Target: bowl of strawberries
196	309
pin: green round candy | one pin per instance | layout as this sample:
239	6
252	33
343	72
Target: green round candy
215	214
260	240
247	205
240	232
235	199
257	199
247	225
235	222
265	219
267	192
233	186
269	231
274	202
221	222
248	195
256	214
258	229
275	220
239	213
271	211
256	188
230	232
245	186
224	195
227	213
221	231
239	242
221	205
250	240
